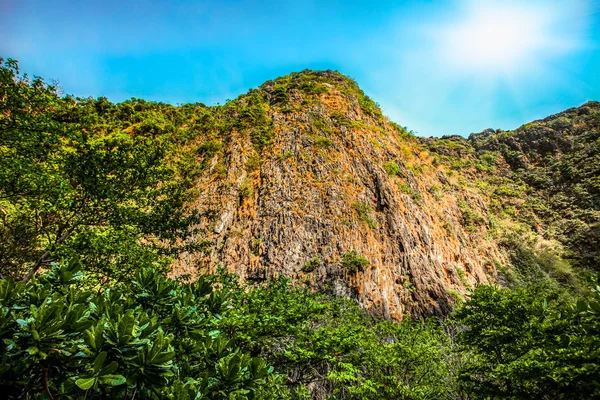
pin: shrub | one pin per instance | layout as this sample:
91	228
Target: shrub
311	265
323	142
284	156
352	261
403	131
253	162
368	106
414	194
246	189
153	338
253	117
364	211
313	88
280	95
320	125
210	148
391	168
470	218
462	276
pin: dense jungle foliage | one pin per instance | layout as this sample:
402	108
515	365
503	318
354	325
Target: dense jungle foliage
92	197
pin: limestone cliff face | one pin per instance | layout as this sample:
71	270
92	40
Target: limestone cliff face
313	172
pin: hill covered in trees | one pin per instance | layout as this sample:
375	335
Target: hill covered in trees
292	243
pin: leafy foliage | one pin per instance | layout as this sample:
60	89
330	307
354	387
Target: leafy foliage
311	265
530	343
154	338
213	339
73	180
391	168
364	212
353	262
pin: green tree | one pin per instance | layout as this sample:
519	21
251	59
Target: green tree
530	343
61	340
73	182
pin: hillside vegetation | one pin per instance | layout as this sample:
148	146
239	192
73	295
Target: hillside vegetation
292	243
543	182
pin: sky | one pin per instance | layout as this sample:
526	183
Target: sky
437	67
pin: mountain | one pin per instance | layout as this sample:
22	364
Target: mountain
305	178
557	162
542	180
306	191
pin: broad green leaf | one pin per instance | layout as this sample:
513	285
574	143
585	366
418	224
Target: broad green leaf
85	383
112	380
99	361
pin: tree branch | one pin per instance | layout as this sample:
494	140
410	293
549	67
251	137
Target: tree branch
43	260
46	388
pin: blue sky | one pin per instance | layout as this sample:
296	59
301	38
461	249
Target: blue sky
438	67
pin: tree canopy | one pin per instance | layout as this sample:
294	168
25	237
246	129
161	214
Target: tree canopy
84	177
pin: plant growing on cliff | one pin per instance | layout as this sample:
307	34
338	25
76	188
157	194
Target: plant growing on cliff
311	265
323	142
353	262
364	213
280	95
254	118
391	168
470	219
246	189
320	125
369	106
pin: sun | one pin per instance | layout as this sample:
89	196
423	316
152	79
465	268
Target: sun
495	38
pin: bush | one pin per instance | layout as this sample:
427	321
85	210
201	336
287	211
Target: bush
364	211
320	125
280	95
391	168
311	265
352	261
368	106
470	219
253	117
154	338
323	142
246	189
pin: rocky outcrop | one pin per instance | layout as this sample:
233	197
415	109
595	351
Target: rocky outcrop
325	180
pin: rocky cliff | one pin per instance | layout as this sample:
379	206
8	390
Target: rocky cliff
305	178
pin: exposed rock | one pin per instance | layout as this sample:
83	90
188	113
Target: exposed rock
320	190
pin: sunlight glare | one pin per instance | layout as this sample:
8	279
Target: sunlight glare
496	39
